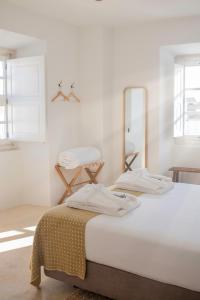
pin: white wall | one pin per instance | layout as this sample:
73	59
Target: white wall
166	115
33	49
11	173
102	62
63	118
171	152
187	156
34	156
96	88
137	63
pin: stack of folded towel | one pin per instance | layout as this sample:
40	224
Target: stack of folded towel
75	157
142	181
97	198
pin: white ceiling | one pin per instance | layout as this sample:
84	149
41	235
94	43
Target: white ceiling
12	40
111	12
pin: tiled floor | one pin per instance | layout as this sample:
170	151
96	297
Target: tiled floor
16	233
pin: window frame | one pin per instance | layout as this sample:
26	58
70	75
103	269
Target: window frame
5	143
37	100
4	78
185	138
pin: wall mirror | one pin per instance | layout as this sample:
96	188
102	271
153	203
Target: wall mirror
134	129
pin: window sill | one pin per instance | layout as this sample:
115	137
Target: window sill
6	145
189	141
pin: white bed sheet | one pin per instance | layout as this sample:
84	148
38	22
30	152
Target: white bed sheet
158	240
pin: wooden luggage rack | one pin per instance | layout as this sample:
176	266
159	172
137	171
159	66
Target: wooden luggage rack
92	170
128	163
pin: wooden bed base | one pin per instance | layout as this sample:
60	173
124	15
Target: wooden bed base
121	285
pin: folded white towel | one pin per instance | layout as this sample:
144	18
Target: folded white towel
97	198
75	157
143	181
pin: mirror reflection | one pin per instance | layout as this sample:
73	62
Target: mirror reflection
134	154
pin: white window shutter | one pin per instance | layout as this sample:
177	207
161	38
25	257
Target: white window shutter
26	99
179	101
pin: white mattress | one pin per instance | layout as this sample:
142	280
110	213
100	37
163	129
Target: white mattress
159	240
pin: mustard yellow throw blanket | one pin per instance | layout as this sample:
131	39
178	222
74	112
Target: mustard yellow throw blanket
59	242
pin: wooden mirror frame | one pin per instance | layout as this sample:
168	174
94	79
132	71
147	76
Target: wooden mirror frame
123	125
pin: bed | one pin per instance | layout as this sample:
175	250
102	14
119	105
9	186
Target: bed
151	253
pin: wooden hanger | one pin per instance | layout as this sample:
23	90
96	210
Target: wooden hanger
72	94
60	93
66	97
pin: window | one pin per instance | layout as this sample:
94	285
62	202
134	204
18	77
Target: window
3	109
22	99
187	100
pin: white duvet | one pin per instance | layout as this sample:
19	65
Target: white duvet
159	240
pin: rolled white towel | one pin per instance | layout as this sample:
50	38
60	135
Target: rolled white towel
72	158
143	181
97	198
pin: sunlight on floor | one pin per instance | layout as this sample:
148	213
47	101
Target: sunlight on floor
16	244
9	240
10	233
31	228
15	252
